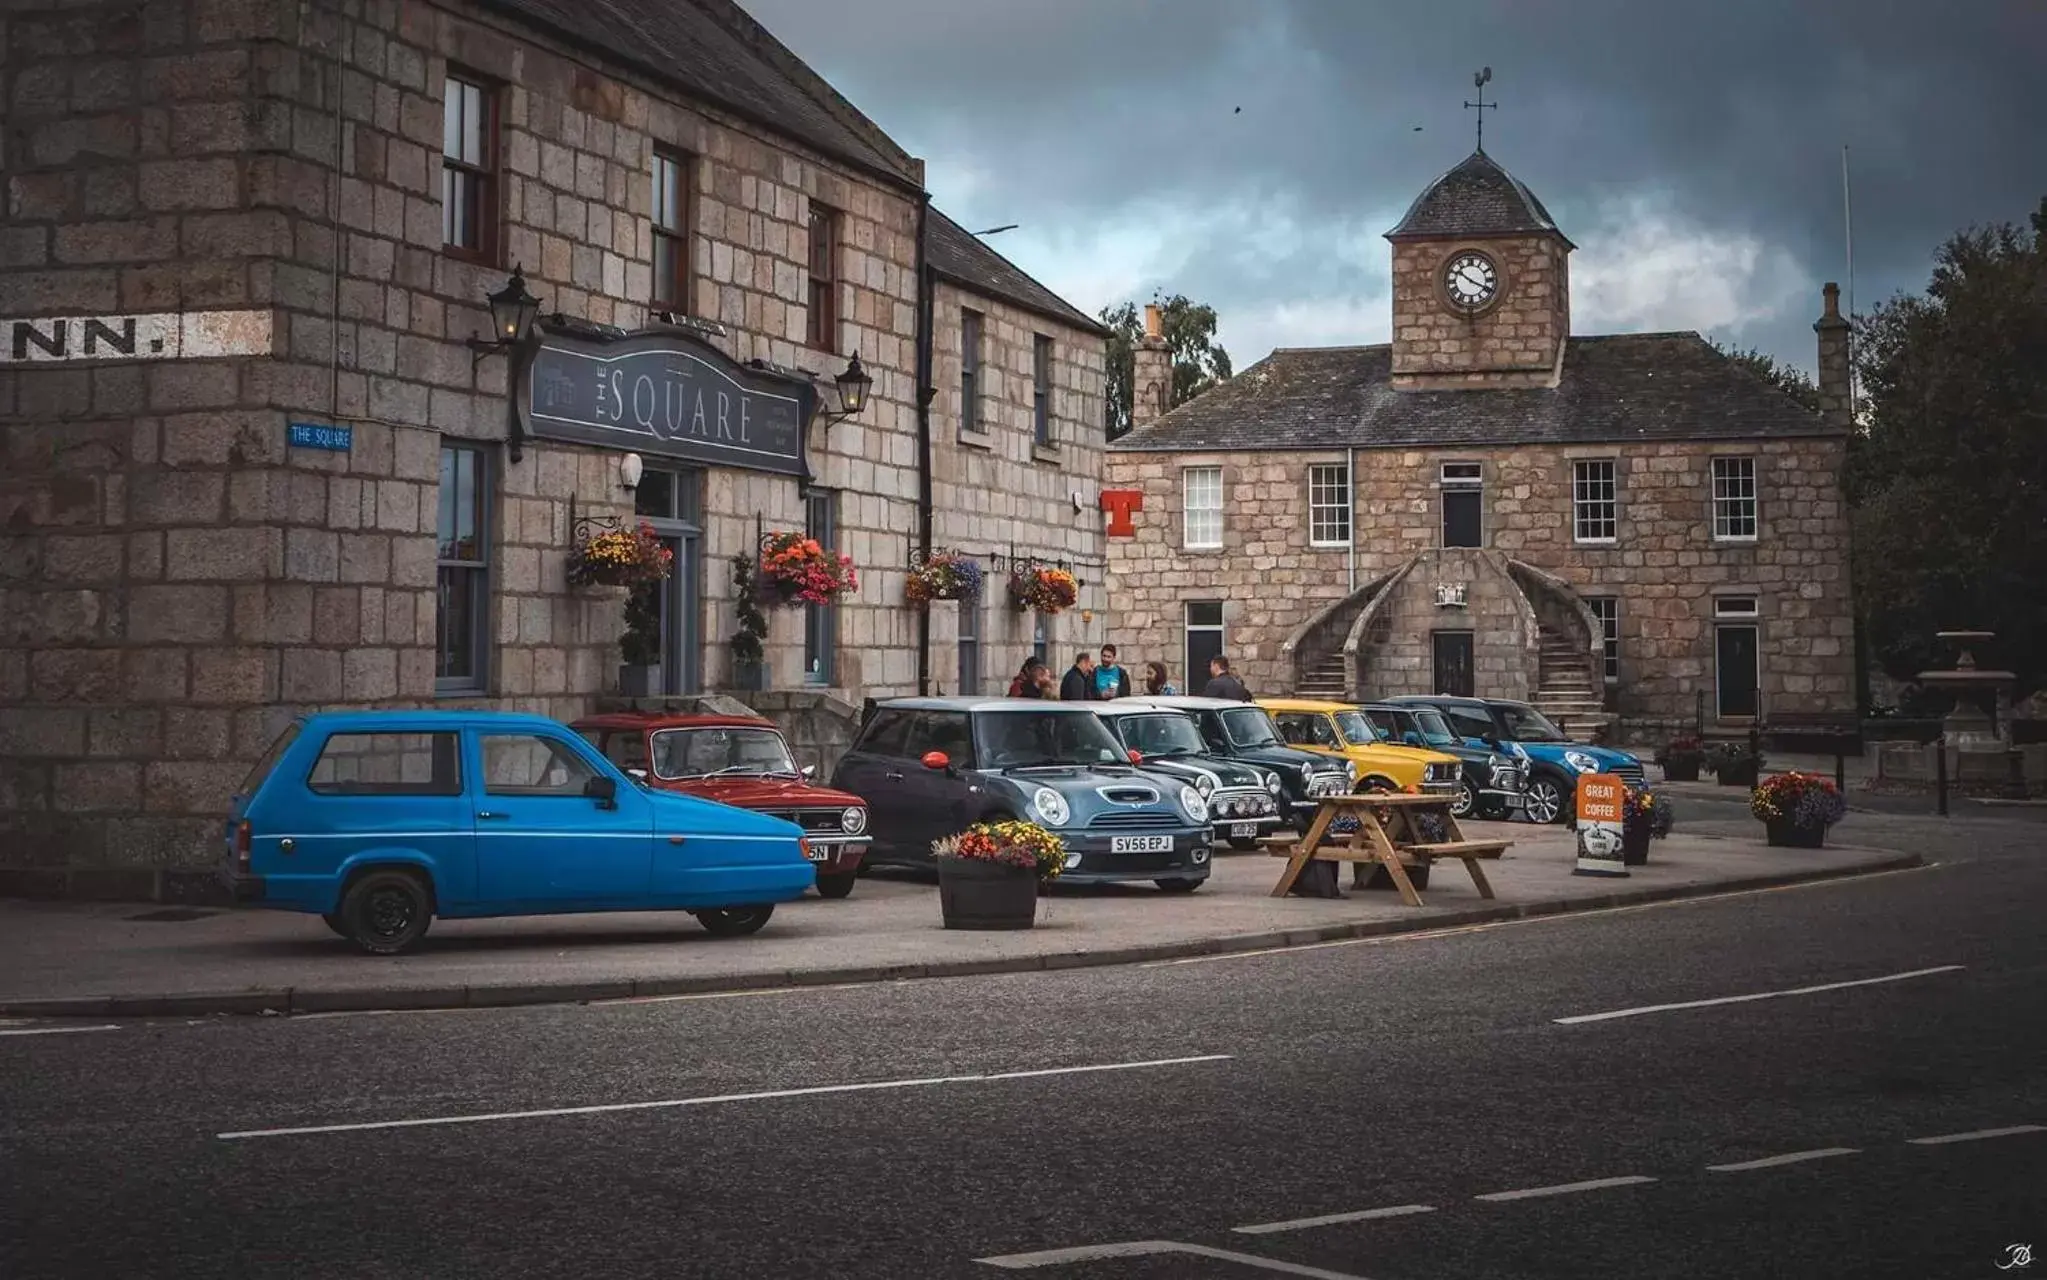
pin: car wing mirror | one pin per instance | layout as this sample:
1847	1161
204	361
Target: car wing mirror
1136	756
809	771
603	790
938	761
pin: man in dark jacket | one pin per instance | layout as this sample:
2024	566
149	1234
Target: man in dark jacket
1221	684
1079	684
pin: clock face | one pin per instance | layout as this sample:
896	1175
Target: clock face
1471	280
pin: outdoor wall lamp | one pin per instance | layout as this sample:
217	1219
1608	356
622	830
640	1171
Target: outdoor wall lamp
630	468
513	310
853	385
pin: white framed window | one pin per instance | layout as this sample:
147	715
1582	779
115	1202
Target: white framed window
1608	610
1201	504
1329	504
1463	486
1734	499
1463	473
1740	608
1595	501
1204	636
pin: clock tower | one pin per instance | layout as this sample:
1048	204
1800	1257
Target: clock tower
1481	285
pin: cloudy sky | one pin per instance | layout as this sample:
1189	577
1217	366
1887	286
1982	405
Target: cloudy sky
1691	151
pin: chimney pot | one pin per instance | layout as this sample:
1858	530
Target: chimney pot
1832	293
1154	321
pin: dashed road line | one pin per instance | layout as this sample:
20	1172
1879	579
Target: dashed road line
1153	1248
1564	1188
1772	1162
1333	1219
664	1104
1977	1135
1576	1019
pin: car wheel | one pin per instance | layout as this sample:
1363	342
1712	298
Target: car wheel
334	921
1545	802
385	912
1178	886
1371	786
1243	844
1466	801
735	922
837	885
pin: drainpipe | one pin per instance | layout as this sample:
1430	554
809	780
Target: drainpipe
925	394
1351	474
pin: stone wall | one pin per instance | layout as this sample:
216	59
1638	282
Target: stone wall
1518	341
997	492
1665	568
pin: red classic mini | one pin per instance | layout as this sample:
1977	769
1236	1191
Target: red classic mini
742	761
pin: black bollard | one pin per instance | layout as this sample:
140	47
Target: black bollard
1840	767
1940	773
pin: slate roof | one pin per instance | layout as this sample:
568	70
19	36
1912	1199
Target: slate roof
962	257
1477	198
712	50
1614	390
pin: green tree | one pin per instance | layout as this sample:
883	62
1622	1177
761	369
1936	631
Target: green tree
1947	489
1788	378
1199	362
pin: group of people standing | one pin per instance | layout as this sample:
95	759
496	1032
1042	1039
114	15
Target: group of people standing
1088	680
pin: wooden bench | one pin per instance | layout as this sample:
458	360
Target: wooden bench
1372	842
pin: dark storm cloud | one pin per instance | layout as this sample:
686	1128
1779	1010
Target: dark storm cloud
1735	113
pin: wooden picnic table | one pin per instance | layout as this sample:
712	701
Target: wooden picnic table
1395	844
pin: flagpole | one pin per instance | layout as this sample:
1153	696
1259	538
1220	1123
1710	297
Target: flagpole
1848	234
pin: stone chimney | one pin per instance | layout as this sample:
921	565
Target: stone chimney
1834	332
1151	382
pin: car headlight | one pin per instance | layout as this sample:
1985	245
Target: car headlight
853	821
1350	770
1051	807
1191	801
1272	784
1581	762
1493	760
1204	784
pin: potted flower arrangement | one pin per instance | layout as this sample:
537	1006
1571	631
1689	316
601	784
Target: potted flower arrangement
1734	764
1640	813
749	672
988	875
620	558
1797	808
1042	587
797	569
945	576
1681	758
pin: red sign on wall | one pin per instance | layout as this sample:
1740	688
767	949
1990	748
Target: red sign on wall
1121	504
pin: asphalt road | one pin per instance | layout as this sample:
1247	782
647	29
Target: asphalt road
916	1130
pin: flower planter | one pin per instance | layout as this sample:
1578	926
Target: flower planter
1635	842
639	681
750	677
1786	834
1685	769
974	894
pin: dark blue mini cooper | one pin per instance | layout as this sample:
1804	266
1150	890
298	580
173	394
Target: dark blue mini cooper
929	767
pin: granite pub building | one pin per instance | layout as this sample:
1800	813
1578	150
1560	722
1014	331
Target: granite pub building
329	331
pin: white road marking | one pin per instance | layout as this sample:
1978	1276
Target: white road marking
1795	1157
1152	1248
1564	1188
1978	1135
56	1031
1375	940
671	1103
1331	1219
1759	995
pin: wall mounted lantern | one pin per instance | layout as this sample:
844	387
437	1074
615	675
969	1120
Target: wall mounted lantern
630	468
513	310
852	384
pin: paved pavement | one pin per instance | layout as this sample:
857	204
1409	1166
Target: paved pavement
127	959
1840	1079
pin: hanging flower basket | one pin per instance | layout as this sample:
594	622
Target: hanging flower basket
1797	808
620	558
797	569
1042	588
945	576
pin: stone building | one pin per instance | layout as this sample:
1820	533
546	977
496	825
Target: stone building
1627	526
258	460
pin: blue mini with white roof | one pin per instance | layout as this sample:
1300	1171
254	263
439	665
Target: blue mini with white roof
378	821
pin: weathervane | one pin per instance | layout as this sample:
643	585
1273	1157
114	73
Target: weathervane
1481	79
